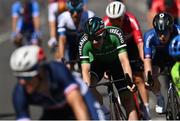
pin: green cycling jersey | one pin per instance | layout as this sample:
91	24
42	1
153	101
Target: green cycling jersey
113	44
175	73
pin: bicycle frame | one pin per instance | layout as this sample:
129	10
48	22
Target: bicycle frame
116	111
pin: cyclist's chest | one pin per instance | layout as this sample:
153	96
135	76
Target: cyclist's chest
76	24
127	31
105	52
26	12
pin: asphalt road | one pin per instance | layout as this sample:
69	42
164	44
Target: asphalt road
7	81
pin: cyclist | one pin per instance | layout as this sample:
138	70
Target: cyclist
26	22
174	51
103	48
116	15
70	27
168	6
156	42
50	85
55	8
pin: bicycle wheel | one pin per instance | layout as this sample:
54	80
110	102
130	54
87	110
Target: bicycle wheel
172	106
116	110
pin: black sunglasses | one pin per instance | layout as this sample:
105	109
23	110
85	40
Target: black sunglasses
25	78
99	36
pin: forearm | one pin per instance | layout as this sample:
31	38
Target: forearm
147	65
78	105
14	24
85	73
36	21
123	57
141	51
52	27
61	46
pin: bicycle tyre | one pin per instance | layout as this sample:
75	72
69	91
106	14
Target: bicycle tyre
171	112
173	105
118	111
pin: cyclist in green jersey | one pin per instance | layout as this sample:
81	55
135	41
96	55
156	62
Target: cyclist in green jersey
103	48
174	51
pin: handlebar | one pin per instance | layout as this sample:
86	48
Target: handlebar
130	82
105	83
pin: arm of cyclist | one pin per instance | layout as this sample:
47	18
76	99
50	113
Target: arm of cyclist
85	73
36	16
61	46
123	57
78	105
15	17
148	72
52	9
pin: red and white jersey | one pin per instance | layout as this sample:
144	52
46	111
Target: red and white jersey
130	27
132	33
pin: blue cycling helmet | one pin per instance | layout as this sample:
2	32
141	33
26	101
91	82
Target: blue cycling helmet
75	5
174	47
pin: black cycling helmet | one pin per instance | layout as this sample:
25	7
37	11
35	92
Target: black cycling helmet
75	5
94	26
163	22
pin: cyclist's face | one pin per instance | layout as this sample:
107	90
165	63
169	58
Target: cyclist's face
164	37
98	40
30	83
76	16
117	21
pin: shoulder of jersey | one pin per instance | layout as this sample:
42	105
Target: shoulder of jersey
112	29
84	39
64	14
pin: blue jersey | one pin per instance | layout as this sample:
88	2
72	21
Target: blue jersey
25	13
61	82
152	42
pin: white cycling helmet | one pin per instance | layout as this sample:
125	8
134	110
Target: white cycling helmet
24	60
115	9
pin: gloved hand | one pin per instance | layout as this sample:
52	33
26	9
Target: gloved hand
149	83
130	84
17	39
52	42
36	38
36	34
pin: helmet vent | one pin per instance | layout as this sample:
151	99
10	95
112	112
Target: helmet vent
114	8
25	54
119	8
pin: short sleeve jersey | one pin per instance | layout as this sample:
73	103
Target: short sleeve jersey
61	82
113	45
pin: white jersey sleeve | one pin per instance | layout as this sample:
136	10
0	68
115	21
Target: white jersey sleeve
90	14
52	9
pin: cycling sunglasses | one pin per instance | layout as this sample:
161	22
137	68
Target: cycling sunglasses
25	78
99	35
165	33
72	11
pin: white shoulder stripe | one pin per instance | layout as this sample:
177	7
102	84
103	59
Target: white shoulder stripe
121	46
61	29
84	57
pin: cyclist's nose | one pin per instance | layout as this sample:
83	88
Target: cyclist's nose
75	14
22	81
